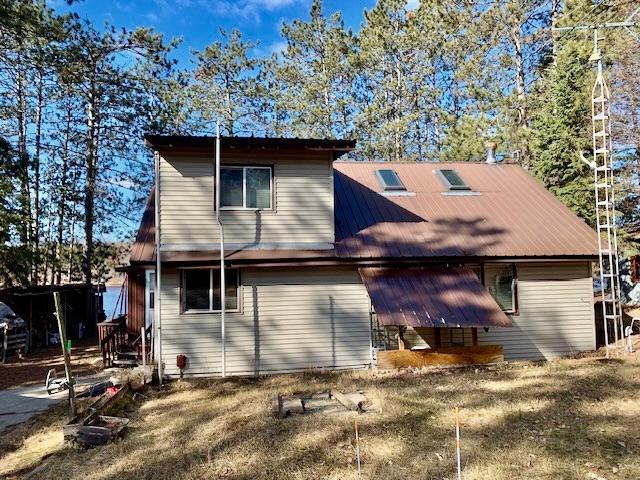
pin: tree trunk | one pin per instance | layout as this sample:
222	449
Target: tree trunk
397	116
89	196
21	118
36	170
63	194
518	58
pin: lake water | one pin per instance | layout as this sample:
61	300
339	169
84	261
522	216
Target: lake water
110	298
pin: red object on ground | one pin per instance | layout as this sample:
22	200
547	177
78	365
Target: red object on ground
112	390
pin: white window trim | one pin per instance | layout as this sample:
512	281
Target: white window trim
244	187
212	271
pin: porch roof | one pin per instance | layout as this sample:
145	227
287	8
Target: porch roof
432	297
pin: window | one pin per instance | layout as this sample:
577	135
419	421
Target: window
500	279
201	290
452	180
245	187
390	180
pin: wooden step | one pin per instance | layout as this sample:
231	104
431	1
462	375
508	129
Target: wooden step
127	354
126	362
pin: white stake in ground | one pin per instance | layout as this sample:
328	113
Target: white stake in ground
358	449
457	416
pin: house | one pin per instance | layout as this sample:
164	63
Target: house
328	262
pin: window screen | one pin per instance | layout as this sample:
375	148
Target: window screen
202	289
390	180
245	187
500	280
231	293
258	187
453	180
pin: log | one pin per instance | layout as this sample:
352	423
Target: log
276	406
94	436
441	356
292	406
352	401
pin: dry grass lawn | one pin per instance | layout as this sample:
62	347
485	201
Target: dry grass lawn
569	419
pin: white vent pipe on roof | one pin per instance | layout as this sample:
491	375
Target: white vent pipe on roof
491	152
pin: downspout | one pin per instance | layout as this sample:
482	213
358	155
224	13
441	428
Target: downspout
222	279
158	296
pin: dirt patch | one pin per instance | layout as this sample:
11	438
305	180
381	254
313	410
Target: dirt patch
34	367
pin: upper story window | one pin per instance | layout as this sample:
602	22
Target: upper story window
246	187
501	281
452	180
390	180
201	290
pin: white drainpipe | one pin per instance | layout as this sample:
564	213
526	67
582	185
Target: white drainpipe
222	279
158	296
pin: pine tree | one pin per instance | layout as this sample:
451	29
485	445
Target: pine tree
226	85
561	129
315	75
386	60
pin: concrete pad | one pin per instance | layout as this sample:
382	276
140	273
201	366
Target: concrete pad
19	404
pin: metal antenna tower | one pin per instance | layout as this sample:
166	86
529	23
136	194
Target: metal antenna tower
604	179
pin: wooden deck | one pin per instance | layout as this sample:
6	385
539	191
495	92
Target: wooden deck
441	356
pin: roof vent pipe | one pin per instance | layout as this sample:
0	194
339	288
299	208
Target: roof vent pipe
491	152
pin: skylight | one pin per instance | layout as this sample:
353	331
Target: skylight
390	180
452	180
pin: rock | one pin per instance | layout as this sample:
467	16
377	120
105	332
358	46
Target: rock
594	476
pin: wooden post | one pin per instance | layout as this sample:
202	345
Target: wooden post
401	338
474	336
65	353
437	337
144	356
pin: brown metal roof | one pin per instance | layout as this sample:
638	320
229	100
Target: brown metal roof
189	142
435	297
510	214
144	246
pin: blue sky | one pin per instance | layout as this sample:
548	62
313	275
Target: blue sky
198	21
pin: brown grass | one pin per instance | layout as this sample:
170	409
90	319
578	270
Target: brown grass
570	419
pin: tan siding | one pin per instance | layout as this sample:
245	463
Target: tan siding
290	320
302	214
555	313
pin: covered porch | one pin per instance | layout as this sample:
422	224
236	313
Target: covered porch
431	316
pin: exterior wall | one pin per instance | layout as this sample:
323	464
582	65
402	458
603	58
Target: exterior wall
302	214
135	300
289	320
555	316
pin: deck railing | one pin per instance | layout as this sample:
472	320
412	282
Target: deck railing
112	334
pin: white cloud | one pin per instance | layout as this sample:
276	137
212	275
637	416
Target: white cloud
413	4
278	47
247	9
272	4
